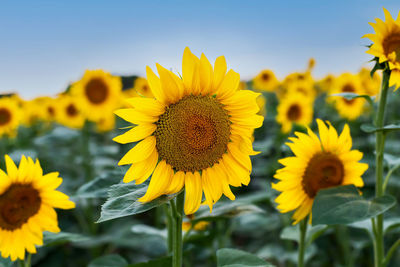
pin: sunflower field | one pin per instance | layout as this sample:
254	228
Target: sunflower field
196	167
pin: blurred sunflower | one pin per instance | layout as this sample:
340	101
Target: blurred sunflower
386	44
27	202
106	124
197	132
261	102
10	116
318	163
97	93
305	77
302	87
348	83
69	113
265	81
371	85
142	87
50	108
295	108
326	84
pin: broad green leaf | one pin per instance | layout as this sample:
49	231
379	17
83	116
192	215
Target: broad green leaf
391	160
123	201
228	257
63	237
293	233
6	262
99	187
148	230
112	260
351	96
227	208
161	262
368	128
344	205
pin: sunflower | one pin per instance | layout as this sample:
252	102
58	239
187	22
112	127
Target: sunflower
27	202
141	86
97	93
261	102
370	84
295	108
348	83
69	113
50	108
196	132
10	116
303	87
106	124
298	76
318	163
325	85
265	81
386	45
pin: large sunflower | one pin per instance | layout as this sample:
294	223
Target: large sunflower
196	132
98	94
318	163
294	108
386	44
27	202
348	83
265	81
69	113
10	116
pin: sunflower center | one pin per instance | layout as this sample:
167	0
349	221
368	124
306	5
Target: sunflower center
392	44
294	112
5	116
265	76
323	170
51	111
71	110
348	88
17	204
145	88
193	133
96	91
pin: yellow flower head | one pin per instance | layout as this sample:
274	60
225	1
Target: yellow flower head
27	202
98	93
370	85
10	116
305	77
386	44
265	81
294	108
69	113
302	87
348	83
318	163
49	108
106	124
142	87
196	132
326	84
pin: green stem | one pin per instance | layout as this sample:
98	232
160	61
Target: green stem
302	243
177	211
26	262
379	148
87	159
390	252
170	222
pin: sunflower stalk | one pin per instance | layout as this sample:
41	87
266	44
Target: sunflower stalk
26	262
177	215
379	188
302	242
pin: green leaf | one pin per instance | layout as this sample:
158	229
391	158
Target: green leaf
391	160
148	230
351	96
368	128
293	233
344	205
6	262
161	262
228	257
99	187
228	209
112	260
62	237
123	201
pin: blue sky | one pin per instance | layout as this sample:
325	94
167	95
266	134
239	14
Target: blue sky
44	45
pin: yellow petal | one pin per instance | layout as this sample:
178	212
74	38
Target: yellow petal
193	192
135	134
140	152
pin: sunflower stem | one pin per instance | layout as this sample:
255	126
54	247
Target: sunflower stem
177	211
26	262
379	147
170	221
302	242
